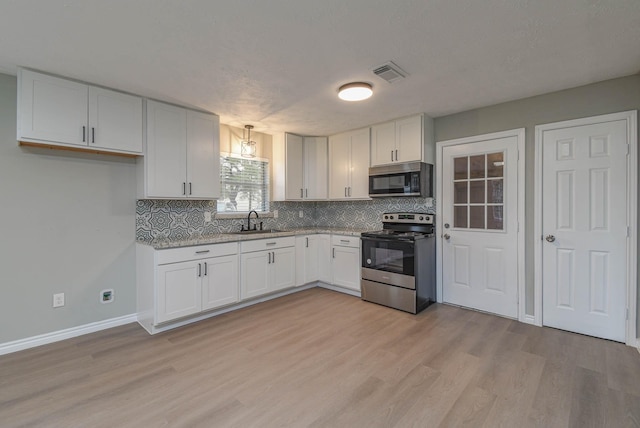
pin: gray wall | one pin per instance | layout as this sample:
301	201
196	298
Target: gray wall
601	98
68	225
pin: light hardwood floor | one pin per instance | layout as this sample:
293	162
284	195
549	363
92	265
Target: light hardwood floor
324	359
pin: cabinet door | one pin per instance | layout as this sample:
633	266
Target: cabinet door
219	281
255	274
283	268
115	121
203	155
383	144
52	109
409	139
311	259
315	167
324	258
294	184
301	260
165	160
179	290
359	187
346	267
339	163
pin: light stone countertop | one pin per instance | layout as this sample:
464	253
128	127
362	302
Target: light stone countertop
160	244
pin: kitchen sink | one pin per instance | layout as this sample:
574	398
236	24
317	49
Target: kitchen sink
257	232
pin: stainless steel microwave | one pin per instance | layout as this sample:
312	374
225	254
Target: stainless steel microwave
402	179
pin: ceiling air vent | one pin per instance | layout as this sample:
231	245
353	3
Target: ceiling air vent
390	72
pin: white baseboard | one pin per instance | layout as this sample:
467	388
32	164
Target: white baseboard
340	289
56	336
182	322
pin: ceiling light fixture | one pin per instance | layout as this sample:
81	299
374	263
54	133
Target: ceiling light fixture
356	91
247	147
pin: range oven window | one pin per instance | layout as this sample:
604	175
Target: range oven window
388	255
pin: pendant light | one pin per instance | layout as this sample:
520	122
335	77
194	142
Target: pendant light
356	91
247	147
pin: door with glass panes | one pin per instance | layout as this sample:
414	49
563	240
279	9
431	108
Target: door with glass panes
480	222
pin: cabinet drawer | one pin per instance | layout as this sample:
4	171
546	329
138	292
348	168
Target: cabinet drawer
174	255
345	241
267	244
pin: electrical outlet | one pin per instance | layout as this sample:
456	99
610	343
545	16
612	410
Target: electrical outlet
106	296
429	203
301	214
58	300
207	216
275	213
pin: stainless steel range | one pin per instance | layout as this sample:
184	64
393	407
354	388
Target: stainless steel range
399	262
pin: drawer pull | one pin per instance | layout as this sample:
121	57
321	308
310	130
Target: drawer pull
202	251
271	243
345	240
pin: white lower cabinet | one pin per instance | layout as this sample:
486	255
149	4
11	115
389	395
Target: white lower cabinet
345	261
179	282
313	262
179	291
267	265
220	282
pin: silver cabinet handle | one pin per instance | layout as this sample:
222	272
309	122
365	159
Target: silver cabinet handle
396	155
333	253
550	238
190	188
199	270
273	257
391	155
349	191
84	132
93	135
306	193
271	243
301	194
202	251
307	242
345	192
345	241
269	258
205	269
446	236
184	188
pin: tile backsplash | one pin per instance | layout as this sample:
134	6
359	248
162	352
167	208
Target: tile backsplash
179	219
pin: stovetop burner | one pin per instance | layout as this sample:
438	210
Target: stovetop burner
404	226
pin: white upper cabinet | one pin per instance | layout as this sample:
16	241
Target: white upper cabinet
349	165
300	167
115	120
183	153
59	112
403	140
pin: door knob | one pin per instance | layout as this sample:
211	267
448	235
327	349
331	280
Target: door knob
446	236
550	238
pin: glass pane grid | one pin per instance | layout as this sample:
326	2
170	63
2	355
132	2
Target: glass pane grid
478	200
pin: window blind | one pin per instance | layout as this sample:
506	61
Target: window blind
244	184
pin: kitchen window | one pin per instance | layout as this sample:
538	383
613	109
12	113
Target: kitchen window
244	184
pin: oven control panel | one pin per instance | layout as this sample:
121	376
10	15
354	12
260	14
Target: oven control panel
414	218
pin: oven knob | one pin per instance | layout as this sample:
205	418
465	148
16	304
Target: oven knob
386	217
421	218
391	217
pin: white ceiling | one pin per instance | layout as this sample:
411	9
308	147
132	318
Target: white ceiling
277	64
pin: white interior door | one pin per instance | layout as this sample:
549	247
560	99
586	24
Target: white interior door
480	225
584	224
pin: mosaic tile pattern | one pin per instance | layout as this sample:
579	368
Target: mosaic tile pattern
179	219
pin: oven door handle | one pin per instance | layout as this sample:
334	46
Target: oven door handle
367	238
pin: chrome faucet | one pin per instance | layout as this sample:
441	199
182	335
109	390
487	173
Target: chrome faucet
249	221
